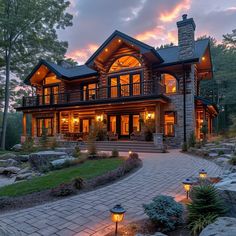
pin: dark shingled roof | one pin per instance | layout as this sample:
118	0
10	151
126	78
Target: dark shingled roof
170	54
62	72
166	56
206	102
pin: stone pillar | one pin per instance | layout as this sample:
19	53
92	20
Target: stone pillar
157	118
158	140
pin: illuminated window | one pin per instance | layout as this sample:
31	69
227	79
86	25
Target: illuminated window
51	80
45	125
136	84
136	123
124	63
85	126
170	82
89	91
113	124
169	123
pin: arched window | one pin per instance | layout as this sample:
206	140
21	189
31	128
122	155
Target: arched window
124	63
170	82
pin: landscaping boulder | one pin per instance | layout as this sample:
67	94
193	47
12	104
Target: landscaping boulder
223	226
222	150
41	160
156	234
8	162
1	170
17	148
213	154
8	156
23	176
227	190
23	158
62	161
11	170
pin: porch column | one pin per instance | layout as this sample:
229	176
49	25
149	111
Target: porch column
32	125
55	123
158	136
157	118
24	124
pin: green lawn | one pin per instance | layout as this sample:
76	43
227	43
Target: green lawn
87	170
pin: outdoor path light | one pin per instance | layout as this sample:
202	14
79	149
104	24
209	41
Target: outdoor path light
117	215
187	183
202	174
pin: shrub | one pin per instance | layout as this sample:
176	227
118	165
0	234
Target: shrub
53	143
205	204
77	151
184	147
204	130
232	161
114	153
64	189
78	183
192	140
133	155
198	145
199	224
221	152
101	135
165	212
28	145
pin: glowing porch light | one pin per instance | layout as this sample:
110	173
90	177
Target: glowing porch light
203	58
75	120
99	118
130	152
117	215
106	49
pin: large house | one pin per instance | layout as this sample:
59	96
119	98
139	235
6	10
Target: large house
125	84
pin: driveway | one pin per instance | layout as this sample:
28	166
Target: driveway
88	213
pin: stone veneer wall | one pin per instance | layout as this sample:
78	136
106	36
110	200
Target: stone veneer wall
177	106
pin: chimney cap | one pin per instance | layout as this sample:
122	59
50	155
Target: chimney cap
186	21
184	16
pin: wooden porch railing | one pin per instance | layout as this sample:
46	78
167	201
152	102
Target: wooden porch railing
144	88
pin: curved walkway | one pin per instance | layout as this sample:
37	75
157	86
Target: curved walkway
88	213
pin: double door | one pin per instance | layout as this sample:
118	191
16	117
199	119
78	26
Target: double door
124	124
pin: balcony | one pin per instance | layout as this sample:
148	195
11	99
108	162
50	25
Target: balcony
124	92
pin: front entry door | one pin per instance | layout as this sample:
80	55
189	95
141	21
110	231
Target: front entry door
124	124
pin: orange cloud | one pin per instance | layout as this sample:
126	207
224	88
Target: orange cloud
172	15
153	34
82	55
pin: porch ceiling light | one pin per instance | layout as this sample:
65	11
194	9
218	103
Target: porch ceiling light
202	174
117	215
187	183
99	118
130	152
75	120
203	58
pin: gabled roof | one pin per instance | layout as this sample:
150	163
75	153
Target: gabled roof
144	48
207	103
170	55
62	72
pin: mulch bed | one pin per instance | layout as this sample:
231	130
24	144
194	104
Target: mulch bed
8	204
146	227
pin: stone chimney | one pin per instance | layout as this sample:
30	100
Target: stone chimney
186	40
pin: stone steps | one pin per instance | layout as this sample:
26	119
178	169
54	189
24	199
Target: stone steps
121	146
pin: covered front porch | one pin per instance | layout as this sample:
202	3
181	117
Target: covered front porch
123	121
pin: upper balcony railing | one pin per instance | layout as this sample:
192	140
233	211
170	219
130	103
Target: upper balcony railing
145	88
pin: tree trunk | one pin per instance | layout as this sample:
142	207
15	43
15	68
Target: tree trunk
7	97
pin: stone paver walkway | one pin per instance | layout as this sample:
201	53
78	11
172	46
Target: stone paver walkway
88	213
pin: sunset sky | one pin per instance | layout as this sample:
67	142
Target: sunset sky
151	21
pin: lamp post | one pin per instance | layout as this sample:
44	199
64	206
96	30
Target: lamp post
117	215
187	183
202	174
